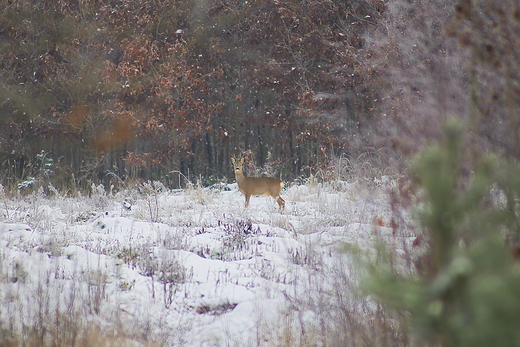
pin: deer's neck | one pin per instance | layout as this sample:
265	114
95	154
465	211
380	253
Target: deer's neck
239	176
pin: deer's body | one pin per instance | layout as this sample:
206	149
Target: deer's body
257	185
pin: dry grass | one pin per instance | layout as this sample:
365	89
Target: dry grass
320	305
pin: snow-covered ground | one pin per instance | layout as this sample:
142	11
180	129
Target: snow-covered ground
150	266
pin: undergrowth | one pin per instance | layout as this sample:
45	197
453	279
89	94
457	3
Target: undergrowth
77	306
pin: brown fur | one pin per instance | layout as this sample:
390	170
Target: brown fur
257	185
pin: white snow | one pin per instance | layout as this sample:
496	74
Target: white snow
191	267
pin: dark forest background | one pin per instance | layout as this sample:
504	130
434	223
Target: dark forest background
105	91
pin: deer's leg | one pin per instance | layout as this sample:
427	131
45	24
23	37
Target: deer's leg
281	202
247	200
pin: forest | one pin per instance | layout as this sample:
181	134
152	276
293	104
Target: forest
395	123
106	91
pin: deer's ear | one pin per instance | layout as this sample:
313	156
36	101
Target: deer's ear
233	161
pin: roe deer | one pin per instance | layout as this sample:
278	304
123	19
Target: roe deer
257	185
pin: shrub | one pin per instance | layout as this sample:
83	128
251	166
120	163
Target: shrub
470	295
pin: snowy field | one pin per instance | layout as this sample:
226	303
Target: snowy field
153	267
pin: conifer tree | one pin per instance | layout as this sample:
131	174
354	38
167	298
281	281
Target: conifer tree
471	294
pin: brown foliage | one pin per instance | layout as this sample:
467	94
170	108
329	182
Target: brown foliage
434	59
488	29
195	83
119	133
